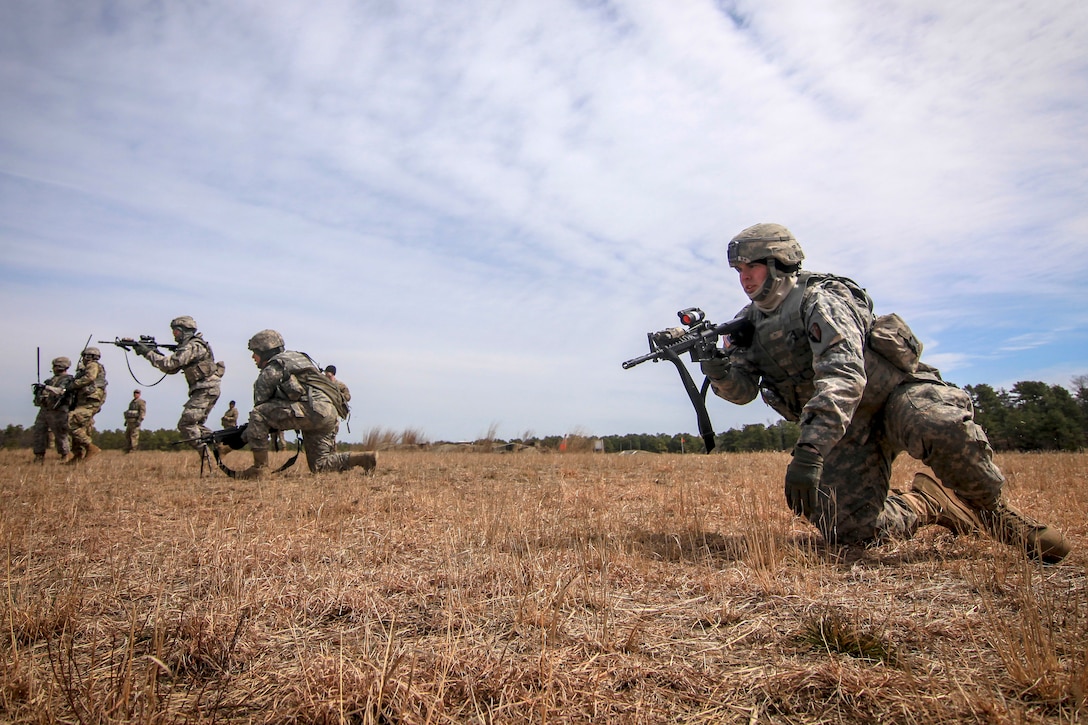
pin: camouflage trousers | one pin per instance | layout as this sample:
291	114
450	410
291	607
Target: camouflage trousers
81	425
195	413
55	421
932	422
132	436
318	425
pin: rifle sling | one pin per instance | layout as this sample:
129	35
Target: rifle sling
697	397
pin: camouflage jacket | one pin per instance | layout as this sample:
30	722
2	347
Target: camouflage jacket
230	418
89	383
54	393
293	377
194	357
136	411
809	360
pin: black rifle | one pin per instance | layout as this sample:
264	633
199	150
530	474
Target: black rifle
699	338
128	343
234	438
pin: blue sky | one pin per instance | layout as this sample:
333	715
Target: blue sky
476	210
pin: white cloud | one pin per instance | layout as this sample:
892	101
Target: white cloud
478	209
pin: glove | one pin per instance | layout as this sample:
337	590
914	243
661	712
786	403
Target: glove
715	368
142	349
802	476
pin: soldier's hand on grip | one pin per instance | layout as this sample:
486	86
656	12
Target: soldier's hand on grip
802	476
716	367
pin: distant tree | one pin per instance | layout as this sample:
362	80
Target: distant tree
14	436
992	409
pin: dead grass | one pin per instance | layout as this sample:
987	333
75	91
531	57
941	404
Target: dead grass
471	587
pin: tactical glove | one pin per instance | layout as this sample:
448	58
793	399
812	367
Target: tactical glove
142	349
802	477
715	368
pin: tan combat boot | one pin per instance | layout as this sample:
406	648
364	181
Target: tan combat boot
259	467
942	507
77	456
367	461
1039	541
92	450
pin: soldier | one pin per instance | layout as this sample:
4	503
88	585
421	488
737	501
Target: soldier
230	418
857	387
134	416
345	394
194	357
53	400
291	393
89	387
330	373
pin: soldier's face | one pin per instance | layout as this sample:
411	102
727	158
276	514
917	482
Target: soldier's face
177	333
752	277
257	361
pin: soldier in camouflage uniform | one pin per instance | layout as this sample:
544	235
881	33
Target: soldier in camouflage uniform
330	373
192	356
291	393
230	417
856	385
134	416
53	399
89	390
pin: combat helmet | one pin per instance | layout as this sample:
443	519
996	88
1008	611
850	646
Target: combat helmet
775	246
266	340
61	362
184	322
761	242
92	352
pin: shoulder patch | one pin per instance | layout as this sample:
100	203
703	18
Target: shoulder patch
815	333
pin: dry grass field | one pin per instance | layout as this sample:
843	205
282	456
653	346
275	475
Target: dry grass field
478	587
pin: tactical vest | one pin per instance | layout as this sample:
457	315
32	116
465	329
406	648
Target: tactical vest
51	400
305	380
95	392
780	348
204	366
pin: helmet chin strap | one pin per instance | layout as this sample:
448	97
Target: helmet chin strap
775	288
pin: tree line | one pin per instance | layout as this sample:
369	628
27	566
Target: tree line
1030	416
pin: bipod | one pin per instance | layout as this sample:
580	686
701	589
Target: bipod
233	473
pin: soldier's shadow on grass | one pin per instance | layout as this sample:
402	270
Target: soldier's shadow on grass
703	546
700	546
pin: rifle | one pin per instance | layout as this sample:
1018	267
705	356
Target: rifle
43	392
234	438
127	343
699	338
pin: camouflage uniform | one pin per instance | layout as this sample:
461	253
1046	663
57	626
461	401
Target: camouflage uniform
134	416
811	361
286	398
819	357
230	418
89	388
53	400
193	356
291	393
345	394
